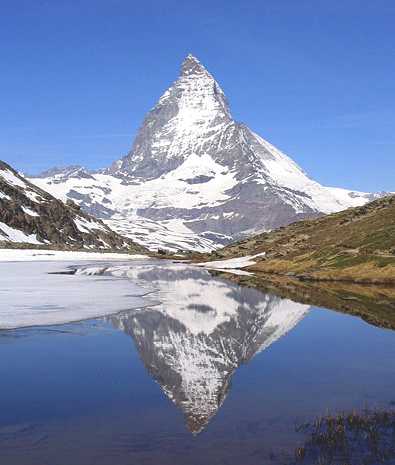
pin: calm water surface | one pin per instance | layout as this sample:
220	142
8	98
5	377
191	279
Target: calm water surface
210	373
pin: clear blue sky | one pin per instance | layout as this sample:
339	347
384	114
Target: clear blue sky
316	78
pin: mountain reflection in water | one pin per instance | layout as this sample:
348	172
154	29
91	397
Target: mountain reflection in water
202	330
78	393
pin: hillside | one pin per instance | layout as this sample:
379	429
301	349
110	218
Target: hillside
31	216
357	245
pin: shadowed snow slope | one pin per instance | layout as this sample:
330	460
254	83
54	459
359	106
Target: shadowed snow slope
195	178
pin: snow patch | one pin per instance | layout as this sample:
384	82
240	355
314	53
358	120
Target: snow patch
232	263
4	196
10	178
15	235
29	211
86	226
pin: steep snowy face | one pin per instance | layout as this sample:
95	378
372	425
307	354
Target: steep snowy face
202	330
186	117
195	178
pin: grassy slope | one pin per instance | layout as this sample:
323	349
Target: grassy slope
357	245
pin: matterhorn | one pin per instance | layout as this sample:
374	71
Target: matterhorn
196	179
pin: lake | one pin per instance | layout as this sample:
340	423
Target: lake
182	368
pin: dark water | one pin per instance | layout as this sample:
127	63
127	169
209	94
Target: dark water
215	374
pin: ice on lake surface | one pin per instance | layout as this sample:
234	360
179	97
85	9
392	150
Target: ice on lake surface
182	367
42	293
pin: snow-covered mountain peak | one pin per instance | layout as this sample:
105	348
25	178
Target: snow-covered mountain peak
60	174
197	179
192	111
191	65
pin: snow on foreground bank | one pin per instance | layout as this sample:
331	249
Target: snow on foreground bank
232	265
30	296
24	255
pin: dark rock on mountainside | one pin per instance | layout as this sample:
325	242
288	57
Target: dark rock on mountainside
30	215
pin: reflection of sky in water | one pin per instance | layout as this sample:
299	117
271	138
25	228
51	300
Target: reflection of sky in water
93	391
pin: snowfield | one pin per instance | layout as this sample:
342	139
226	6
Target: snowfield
15	235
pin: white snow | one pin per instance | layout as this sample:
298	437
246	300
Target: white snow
10	178
15	235
33	196
172	235
232	263
286	173
169	190
86	226
350	198
172	191
4	196
29	211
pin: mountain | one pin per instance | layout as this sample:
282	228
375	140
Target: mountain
357	245
202	330
29	215
195	178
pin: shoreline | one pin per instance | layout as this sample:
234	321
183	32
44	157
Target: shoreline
374	303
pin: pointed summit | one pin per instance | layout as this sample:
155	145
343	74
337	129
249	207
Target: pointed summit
196	179
192	110
191	65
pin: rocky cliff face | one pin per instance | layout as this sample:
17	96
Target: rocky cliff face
195	178
30	215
